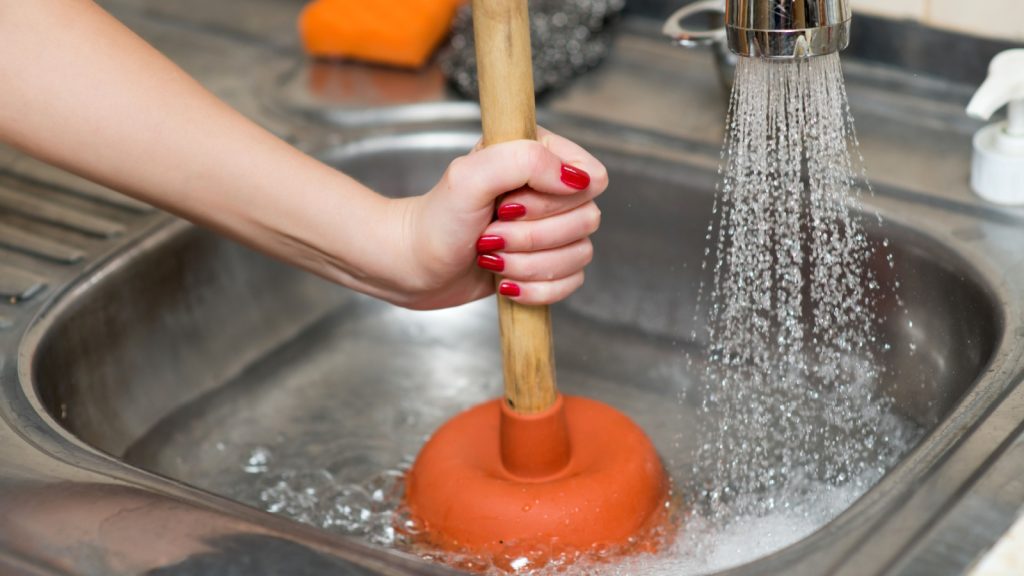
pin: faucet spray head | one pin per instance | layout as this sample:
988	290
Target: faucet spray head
785	29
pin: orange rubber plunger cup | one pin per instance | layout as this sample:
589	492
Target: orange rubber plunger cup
487	482
537	473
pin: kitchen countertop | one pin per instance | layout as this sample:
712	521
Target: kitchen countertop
1007	557
236	48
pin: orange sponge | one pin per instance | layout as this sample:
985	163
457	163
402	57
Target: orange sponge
396	32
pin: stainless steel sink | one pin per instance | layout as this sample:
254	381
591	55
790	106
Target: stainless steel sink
142	359
138	388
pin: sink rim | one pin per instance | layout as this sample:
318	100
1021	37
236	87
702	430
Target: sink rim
60	302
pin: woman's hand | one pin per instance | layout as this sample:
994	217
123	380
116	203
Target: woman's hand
539	243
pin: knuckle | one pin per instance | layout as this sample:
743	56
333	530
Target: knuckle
529	239
551	204
577	282
517	196
525	269
458	172
587	252
592	220
599	178
542	293
530	155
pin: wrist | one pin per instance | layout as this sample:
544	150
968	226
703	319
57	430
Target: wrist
380	257
338	229
377	249
410	271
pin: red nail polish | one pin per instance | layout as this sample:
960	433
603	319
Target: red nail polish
490	262
574	177
508	289
511	211
489	243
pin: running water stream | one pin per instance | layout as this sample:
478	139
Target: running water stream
791	367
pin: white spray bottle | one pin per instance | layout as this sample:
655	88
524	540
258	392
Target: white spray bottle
997	169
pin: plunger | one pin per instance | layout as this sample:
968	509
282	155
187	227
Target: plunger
536	471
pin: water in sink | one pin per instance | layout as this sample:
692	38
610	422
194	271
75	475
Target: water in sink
321	429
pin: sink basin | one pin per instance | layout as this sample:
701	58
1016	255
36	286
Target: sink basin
175	364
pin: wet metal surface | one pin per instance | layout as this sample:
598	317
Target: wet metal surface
35	245
17	286
184	359
144	342
57	214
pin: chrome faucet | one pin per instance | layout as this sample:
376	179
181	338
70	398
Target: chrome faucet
775	29
787	28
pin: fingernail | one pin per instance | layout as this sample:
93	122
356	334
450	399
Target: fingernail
574	177
490	262
489	243
511	211
507	288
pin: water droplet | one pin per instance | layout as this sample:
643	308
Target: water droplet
258	462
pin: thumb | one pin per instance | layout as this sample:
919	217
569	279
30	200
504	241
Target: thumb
483	175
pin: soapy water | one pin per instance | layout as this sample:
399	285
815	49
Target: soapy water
793	431
372	510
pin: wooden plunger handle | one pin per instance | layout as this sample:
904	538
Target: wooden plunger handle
505	71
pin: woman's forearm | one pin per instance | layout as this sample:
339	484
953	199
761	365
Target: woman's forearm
83	92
